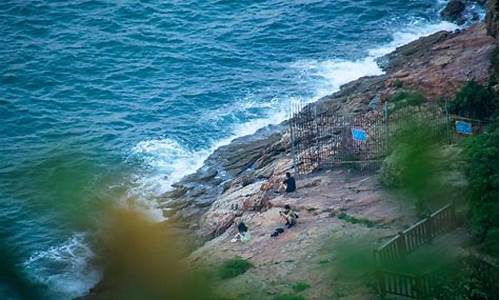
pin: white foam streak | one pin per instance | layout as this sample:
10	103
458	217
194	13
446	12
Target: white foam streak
412	33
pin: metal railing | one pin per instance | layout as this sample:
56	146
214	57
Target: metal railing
405	242
416	235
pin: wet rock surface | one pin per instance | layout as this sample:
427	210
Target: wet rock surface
453	11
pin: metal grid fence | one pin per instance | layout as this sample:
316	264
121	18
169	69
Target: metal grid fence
328	139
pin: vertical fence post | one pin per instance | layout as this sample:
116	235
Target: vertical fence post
448	123
292	139
386	128
317	137
418	288
401	243
379	275
429	229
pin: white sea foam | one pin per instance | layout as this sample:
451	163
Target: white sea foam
166	161
413	32
65	268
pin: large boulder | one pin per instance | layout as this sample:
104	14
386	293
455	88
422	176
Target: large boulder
453	11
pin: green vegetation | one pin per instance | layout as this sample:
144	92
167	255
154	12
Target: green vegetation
467	279
233	267
398	83
481	156
475	101
300	286
412	164
289	297
405	97
481	153
353	220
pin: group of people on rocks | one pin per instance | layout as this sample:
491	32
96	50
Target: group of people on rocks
289	215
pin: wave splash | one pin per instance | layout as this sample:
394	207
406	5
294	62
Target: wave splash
66	268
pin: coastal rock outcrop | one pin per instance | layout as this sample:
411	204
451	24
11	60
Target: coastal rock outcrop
439	65
453	11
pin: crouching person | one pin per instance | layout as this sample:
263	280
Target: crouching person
290	216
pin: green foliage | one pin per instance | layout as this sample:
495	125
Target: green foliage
354	257
467	279
300	286
398	83
405	98
412	164
475	101
353	220
481	153
289	297
233	267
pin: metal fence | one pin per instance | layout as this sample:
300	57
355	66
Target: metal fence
427	285
415	236
327	139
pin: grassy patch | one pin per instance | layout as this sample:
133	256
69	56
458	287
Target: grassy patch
289	297
353	220
300	286
397	83
233	267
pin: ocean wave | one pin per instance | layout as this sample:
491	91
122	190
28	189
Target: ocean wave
165	162
66	268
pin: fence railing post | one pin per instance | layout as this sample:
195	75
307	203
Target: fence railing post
292	141
429	229
379	275
448	122
401	243
418	288
386	129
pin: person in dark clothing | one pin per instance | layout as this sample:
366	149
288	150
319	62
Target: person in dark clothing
243	234
289	183
242	227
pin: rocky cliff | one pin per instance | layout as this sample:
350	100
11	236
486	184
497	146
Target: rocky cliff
237	178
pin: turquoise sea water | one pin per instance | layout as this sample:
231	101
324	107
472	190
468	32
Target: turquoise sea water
111	100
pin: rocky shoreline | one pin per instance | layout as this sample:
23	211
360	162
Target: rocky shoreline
237	181
241	174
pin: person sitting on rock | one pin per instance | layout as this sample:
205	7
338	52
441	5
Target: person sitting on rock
289	215
289	183
243	234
